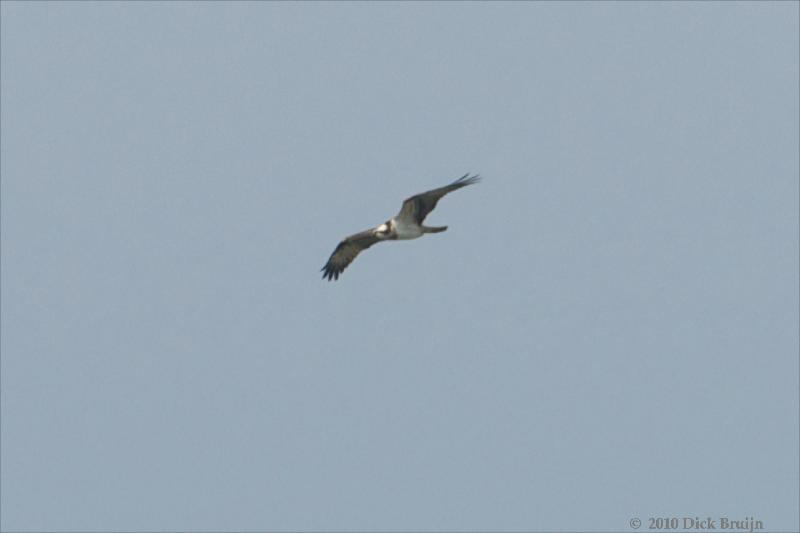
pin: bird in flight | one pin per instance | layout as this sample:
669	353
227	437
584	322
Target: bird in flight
407	224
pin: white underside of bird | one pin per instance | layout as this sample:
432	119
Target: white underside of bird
406	229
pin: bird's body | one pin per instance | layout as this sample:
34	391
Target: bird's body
407	224
404	229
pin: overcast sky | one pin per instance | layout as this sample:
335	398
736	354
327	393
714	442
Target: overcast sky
607	331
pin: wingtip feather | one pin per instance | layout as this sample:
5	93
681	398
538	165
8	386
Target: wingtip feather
466	179
330	273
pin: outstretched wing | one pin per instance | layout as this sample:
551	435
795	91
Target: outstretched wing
347	250
416	208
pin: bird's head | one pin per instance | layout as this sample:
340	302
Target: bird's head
384	229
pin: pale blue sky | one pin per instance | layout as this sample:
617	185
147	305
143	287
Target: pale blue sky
608	330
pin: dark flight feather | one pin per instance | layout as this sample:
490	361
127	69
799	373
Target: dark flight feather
347	250
418	206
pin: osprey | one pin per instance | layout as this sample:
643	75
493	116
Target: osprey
407	224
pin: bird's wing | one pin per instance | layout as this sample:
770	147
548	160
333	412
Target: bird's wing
347	250
416	208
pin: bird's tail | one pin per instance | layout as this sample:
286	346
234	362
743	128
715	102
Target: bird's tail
437	229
